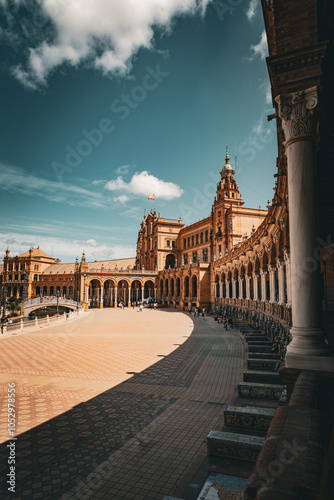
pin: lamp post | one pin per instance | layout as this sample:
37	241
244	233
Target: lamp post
24	278
4	293
84	290
57	294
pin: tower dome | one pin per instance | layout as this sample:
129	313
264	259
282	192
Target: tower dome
227	167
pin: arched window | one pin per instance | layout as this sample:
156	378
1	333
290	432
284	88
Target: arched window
35	277
193	240
45	290
206	236
197	239
184	243
186	287
178	288
202	237
188	241
51	290
64	290
38	290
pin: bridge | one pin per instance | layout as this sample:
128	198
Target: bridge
28	306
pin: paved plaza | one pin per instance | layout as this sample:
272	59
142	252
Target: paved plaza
116	404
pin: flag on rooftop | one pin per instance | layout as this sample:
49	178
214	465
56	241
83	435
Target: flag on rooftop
151	197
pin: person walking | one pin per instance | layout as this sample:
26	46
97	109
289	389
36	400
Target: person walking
203	315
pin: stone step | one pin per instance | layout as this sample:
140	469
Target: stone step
256	338
260	343
231	445
263	355
251	417
262	377
262	364
261	349
262	391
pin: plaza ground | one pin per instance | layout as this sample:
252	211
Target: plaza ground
117	404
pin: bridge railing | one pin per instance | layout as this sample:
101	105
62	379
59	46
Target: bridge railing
50	300
12	328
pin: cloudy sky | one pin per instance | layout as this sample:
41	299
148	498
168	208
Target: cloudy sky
106	102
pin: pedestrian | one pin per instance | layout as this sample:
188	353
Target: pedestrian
203	315
141	308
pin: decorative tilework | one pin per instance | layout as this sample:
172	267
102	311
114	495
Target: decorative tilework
237	446
223	486
257	390
248	417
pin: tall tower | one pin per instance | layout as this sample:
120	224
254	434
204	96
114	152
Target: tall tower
227	200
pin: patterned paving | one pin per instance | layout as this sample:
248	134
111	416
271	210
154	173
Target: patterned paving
139	438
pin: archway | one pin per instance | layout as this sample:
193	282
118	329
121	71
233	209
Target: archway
194	288
172	288
123	292
170	261
149	290
217	287
108	293
186	288
94	293
136	293
178	288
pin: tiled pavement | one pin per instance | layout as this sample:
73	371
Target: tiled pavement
141	439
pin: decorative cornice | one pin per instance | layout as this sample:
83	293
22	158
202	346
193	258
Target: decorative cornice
298	113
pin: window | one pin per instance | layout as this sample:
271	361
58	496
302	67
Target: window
193	240
173	244
205	254
16	277
197	239
168	243
184	243
219	214
206	236
232	195
10	277
188	242
202	237
220	250
195	256
35	277
185	259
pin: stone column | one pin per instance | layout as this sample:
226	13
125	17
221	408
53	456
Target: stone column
272	287
142	293
101	297
234	289
307	349
288	278
241	289
248	279
115	297
155	295
281	282
255	287
227	289
221	289
263	275
129	296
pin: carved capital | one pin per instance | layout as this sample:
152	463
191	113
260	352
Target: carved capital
298	112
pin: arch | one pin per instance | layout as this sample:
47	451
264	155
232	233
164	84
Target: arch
51	290
265	261
197	239
161	288
38	290
186	287
217	286
149	289
35	277
170	261
15	291
172	287
178	288
64	290
194	287
123	286
202	237
45	290
249	268
273	254
193	240
21	291
166	288
257	265
70	291
58	289
206	236
188	241
109	287
9	291
223	280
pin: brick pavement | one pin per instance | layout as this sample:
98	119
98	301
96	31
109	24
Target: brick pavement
139	438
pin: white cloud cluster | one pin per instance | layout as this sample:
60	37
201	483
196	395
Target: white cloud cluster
251	9
261	49
17	180
67	249
145	184
105	34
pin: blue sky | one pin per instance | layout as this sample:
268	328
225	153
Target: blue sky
106	105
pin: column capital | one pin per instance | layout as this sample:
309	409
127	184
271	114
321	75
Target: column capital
298	112
280	263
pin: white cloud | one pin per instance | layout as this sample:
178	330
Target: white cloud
251	9
145	184
105	34
266	88
99	182
66	249
17	180
261	49
123	198
123	170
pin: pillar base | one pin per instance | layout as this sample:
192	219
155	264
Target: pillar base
309	362
115	304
